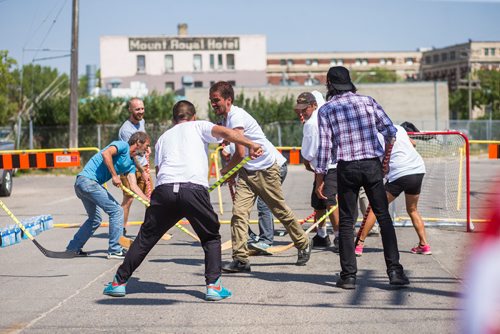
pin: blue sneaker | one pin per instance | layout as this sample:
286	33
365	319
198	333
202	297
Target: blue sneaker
216	291
115	289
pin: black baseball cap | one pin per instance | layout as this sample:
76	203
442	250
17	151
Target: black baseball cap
339	78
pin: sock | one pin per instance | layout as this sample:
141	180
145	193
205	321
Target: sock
336	234
322	232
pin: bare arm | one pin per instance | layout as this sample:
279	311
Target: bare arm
236	136
107	156
132	181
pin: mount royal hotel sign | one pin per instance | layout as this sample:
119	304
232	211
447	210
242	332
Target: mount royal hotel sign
184	44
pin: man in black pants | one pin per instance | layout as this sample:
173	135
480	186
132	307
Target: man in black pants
181	191
348	127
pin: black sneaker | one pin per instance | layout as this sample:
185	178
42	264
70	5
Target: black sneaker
81	253
236	267
118	255
319	242
398	277
348	283
335	246
304	254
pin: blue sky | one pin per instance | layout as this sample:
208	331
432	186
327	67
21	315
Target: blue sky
290	25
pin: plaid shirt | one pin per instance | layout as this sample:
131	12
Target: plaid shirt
348	127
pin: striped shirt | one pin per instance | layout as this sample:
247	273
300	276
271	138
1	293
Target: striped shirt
348	127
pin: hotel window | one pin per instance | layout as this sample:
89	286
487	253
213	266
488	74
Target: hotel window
492	51
364	62
444	57
314	62
212	62
382	61
231	82
219	62
357	62
169	63
283	62
435	58
289	62
169	86
198	84
409	61
141	64
230	61
197	63
489	51
452	55
428	59
308	62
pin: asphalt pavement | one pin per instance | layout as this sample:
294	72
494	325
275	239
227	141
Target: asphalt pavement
166	294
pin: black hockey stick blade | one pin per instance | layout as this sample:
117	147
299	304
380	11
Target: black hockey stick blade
52	254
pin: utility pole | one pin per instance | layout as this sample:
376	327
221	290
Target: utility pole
73	98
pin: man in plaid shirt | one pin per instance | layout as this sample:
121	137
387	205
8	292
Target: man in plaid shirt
348	127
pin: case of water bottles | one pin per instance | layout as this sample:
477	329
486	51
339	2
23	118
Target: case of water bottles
13	234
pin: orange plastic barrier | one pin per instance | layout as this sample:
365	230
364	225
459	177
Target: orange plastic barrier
292	155
39	160
494	151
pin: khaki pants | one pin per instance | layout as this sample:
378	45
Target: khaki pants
267	185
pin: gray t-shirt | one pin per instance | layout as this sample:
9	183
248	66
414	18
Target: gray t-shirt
127	130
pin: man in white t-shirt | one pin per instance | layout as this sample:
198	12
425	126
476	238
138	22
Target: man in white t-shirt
265	238
259	177
134	123
406	173
182	191
307	109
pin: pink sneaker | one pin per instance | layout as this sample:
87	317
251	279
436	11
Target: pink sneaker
359	249
419	249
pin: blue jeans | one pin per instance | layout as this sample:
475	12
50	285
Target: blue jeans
95	196
266	219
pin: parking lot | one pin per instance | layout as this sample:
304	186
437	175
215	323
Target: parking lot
165	295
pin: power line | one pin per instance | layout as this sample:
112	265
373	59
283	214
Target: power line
50	28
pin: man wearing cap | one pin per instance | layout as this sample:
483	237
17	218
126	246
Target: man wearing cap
259	177
348	127
307	110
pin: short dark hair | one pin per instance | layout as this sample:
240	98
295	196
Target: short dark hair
140	137
409	127
224	88
183	111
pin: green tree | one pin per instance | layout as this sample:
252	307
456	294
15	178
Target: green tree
489	95
8	98
376	75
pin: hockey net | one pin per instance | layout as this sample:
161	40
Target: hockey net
445	196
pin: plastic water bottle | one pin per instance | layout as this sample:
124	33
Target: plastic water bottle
17	233
5	237
12	234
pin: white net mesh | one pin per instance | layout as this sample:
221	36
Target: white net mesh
443	199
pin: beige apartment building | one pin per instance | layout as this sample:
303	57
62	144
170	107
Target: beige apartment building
310	68
163	63
454	63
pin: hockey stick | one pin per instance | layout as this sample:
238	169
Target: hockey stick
147	204
279	249
228	244
128	242
46	252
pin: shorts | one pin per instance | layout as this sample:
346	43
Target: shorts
410	184
140	183
329	190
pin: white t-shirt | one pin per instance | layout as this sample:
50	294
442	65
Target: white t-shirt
310	141
127	130
182	153
239	118
405	159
